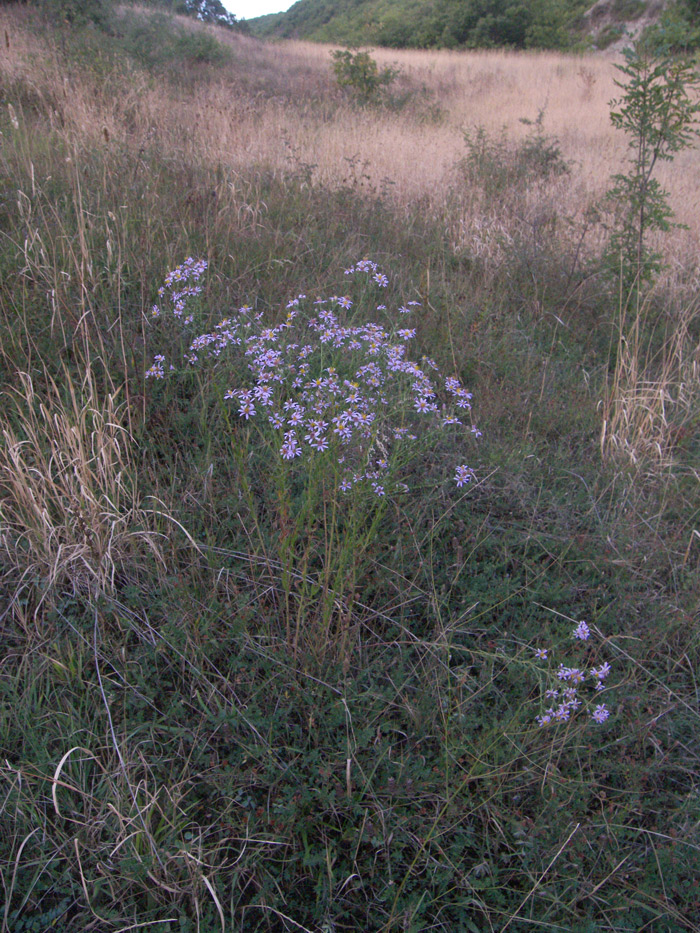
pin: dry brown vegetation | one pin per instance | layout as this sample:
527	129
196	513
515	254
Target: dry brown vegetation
275	105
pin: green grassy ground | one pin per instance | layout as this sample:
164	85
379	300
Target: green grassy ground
228	706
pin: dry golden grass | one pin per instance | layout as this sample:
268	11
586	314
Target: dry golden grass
275	105
69	507
652	401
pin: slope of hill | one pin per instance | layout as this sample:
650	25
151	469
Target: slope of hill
460	23
433	24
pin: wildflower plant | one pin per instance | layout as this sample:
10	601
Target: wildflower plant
176	298
323	385
574	689
335	406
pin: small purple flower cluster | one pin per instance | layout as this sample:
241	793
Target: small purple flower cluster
156	371
176	289
327	386
564	695
371	269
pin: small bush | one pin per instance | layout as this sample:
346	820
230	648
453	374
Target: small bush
79	12
158	43
496	164
360	73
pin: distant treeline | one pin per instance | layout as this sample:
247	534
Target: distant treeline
452	24
519	24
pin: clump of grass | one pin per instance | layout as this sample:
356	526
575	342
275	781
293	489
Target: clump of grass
70	512
497	164
650	406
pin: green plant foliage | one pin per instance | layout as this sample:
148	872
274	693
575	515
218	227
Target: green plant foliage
677	30
440	24
359	72
496	164
658	114
206	11
155	41
209	11
79	12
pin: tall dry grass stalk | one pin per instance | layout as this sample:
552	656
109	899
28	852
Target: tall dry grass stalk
651	405
70	516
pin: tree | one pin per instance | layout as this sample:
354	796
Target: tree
659	116
210	11
207	11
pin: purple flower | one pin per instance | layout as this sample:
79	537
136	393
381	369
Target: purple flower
463	474
317	441
290	449
247	409
292	378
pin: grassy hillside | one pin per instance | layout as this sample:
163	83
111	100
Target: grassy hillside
281	667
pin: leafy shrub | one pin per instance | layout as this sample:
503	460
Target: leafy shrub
660	118
496	164
158	43
79	12
676	30
629	9
360	73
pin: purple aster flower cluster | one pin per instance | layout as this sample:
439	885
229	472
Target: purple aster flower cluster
326	386
180	285
156	371
371	269
564	693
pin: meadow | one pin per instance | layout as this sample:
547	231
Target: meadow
349	532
